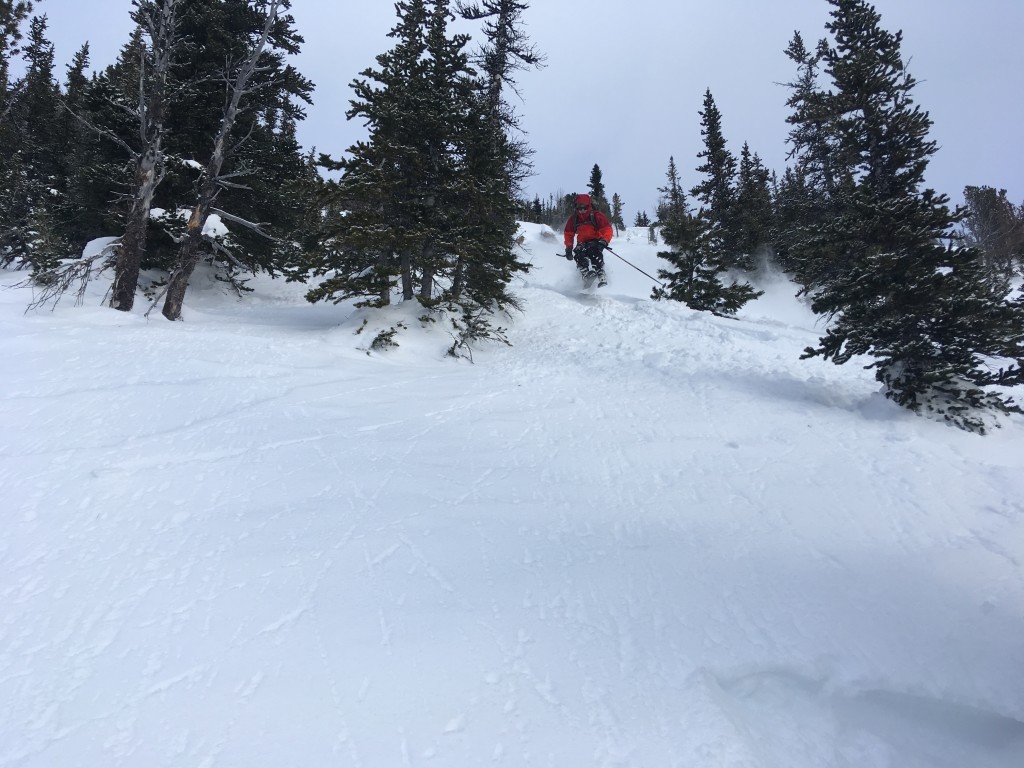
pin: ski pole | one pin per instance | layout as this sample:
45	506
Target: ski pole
634	266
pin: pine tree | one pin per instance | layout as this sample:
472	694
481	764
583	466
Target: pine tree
818	186
390	183
84	161
753	213
695	250
159	20
12	15
716	192
160	108
938	333
995	226
260	82
264	158
33	190
616	218
642	219
506	50
596	188
429	198
496	161
536	210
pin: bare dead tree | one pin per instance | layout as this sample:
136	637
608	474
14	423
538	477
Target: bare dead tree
212	182
160	21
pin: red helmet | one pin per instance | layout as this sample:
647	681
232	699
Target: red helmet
582	202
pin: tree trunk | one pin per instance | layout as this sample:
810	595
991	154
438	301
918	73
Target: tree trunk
161	23
459	279
427	283
407	286
385	281
133	242
188	257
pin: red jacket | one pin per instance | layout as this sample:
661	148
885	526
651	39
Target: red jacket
587	225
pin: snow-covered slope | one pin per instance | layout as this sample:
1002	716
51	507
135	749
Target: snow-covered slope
638	537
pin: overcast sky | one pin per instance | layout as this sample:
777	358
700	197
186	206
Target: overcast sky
625	79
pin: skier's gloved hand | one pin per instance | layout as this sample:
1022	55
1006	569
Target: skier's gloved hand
568	252
603	243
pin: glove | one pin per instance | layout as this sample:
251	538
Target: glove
603	244
568	252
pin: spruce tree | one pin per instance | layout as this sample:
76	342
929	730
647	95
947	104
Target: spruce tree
391	183
753	213
260	82
596	188
716	193
672	205
161	108
938	333
496	161
86	163
34	188
695	251
428	198
13	235
158	39
263	157
995	226
817	186
12	15
506	50
616	218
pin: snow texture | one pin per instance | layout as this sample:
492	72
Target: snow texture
641	536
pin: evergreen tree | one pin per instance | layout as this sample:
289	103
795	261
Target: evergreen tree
364	248
753	214
263	158
33	190
85	162
506	50
157	21
672	199
158	112
642	219
922	310
12	15
716	192
596	188
495	163
672	205
616	217
260	82
414	192
818	186
995	226
695	250
536	210
13	232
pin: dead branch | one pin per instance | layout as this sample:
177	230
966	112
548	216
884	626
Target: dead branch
250	225
52	284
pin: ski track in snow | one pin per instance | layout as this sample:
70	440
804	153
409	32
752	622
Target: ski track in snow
640	536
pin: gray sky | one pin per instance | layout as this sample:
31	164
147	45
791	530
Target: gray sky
624	81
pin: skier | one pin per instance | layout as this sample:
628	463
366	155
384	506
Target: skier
591	230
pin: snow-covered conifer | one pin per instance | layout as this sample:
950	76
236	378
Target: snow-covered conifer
939	334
